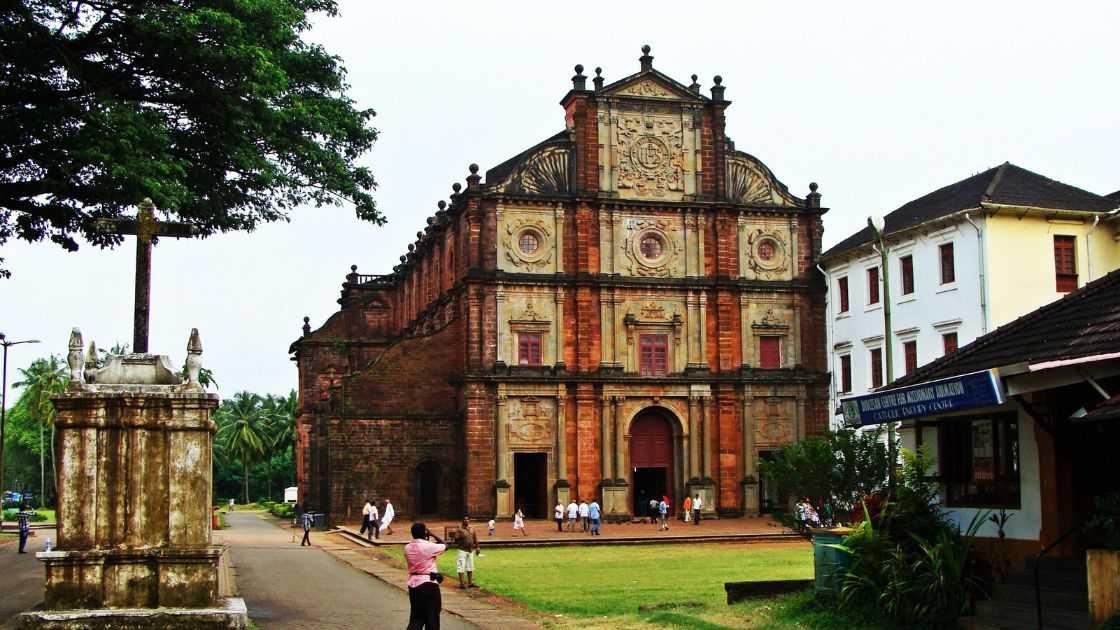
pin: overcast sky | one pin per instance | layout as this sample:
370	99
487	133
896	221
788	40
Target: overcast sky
878	102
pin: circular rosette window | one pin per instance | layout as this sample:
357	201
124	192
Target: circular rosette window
529	244
768	252
652	248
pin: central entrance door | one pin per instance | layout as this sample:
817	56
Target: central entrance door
530	484
651	460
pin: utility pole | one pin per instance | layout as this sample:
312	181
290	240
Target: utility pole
4	403
876	223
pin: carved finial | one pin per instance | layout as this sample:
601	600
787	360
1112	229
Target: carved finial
717	89
431	220
695	86
646	49
474	179
441	205
306	325
579	82
411	247
598	80
646	59
473	168
456	187
814	198
419	235
194	358
74	358
354	268
813	186
718	79
403	258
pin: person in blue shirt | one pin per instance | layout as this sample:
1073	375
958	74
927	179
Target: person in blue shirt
663	513
24	517
595	513
307	521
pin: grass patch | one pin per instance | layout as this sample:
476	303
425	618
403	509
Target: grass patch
242	507
651	586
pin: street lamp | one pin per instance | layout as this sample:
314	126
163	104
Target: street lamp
4	404
877	225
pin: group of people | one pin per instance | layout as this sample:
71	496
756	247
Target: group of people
659	511
375	521
588	515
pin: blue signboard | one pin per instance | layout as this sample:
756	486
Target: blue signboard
978	389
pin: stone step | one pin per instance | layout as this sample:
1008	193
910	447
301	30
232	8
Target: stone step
1010	615
1056	598
1048	579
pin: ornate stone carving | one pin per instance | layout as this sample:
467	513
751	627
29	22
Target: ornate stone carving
774	423
544	172
767	253
652	310
750	182
650	247
530	421
647	88
528	243
650	155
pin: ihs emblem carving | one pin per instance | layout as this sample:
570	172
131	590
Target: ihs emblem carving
650	155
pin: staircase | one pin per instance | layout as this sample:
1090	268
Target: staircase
1065	599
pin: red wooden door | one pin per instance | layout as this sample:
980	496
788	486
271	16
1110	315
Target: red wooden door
651	446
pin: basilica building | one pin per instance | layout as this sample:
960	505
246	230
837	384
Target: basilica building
626	309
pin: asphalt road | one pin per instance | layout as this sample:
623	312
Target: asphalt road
288	586
21	576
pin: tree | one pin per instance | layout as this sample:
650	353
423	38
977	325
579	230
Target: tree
41	380
217	110
280	412
242	431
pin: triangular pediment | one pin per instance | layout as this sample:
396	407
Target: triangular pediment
651	84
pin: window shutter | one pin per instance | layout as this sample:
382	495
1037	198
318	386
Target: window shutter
653	355
1065	264
769	350
949	341
876	368
948	265
910	348
907	263
846	373
842	285
873	285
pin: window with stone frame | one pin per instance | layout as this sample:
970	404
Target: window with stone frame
769	352
978	459
845	373
842	289
948	264
873	286
906	266
529	348
876	367
653	354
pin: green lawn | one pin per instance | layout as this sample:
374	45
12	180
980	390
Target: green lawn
675	585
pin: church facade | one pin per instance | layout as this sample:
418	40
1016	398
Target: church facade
625	310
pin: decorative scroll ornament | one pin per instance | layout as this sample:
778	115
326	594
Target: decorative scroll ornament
530	315
652	310
544	172
647	88
767	253
536	237
650	155
750	182
650	249
530	421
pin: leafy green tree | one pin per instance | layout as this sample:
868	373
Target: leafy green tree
42	379
217	110
243	431
280	411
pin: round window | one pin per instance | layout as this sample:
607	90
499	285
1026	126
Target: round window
651	247
528	242
766	250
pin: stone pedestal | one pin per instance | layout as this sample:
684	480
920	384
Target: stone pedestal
615	500
750	496
503	501
563	493
706	488
134	495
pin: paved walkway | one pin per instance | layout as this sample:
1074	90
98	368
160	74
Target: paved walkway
21	576
288	586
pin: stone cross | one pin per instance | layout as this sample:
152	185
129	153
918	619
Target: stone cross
146	229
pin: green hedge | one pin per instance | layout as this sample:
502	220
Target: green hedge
10	515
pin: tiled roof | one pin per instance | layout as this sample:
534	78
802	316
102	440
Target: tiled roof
1107	410
1005	184
1084	323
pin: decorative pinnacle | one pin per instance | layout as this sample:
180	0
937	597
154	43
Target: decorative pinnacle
306	325
411	247
813	186
403	259
442	204
473	168
194	344
354	268
456	187
645	49
579	68
646	59
718	79
598	80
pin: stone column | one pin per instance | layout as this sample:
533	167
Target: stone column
500	353
619	439
706	413
693	437
558	225
502	431
561	434
605	436
750	480
558	317
703	306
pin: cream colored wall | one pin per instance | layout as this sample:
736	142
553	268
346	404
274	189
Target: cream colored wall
1020	261
776	232
546	223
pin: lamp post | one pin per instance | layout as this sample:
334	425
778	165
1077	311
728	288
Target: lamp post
4	403
877	224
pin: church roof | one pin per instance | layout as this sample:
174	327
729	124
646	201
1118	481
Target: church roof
1084	323
1004	184
1113	196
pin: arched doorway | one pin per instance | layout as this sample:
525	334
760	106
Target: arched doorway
427	491
651	460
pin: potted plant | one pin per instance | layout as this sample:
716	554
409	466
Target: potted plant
1104	563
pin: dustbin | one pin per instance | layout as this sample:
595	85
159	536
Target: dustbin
829	563
320	520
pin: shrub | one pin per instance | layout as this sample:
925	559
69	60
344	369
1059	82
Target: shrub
1106	520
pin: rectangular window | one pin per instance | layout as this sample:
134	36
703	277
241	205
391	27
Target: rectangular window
770	352
842	289
979	461
907	264
845	374
528	348
1065	263
877	367
948	265
949	342
873	285
910	350
653	353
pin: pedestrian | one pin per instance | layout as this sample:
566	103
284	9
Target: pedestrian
663	513
558	515
584	514
519	522
697	505
365	519
424	601
467	544
387	518
573	514
24	517
686	508
652	511
374	520
231	505
491	526
596	514
308	520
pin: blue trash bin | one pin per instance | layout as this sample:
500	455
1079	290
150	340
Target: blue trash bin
829	564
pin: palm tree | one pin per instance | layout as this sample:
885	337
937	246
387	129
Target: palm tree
281	411
242	430
42	379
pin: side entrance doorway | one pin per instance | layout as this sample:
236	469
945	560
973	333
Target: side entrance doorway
427	491
651	460
530	484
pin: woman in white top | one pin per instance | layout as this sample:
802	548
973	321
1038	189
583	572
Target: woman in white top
519	522
387	519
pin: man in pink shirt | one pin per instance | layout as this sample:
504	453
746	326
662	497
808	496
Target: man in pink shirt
423	578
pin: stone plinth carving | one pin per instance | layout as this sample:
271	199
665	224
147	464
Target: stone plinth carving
135	443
